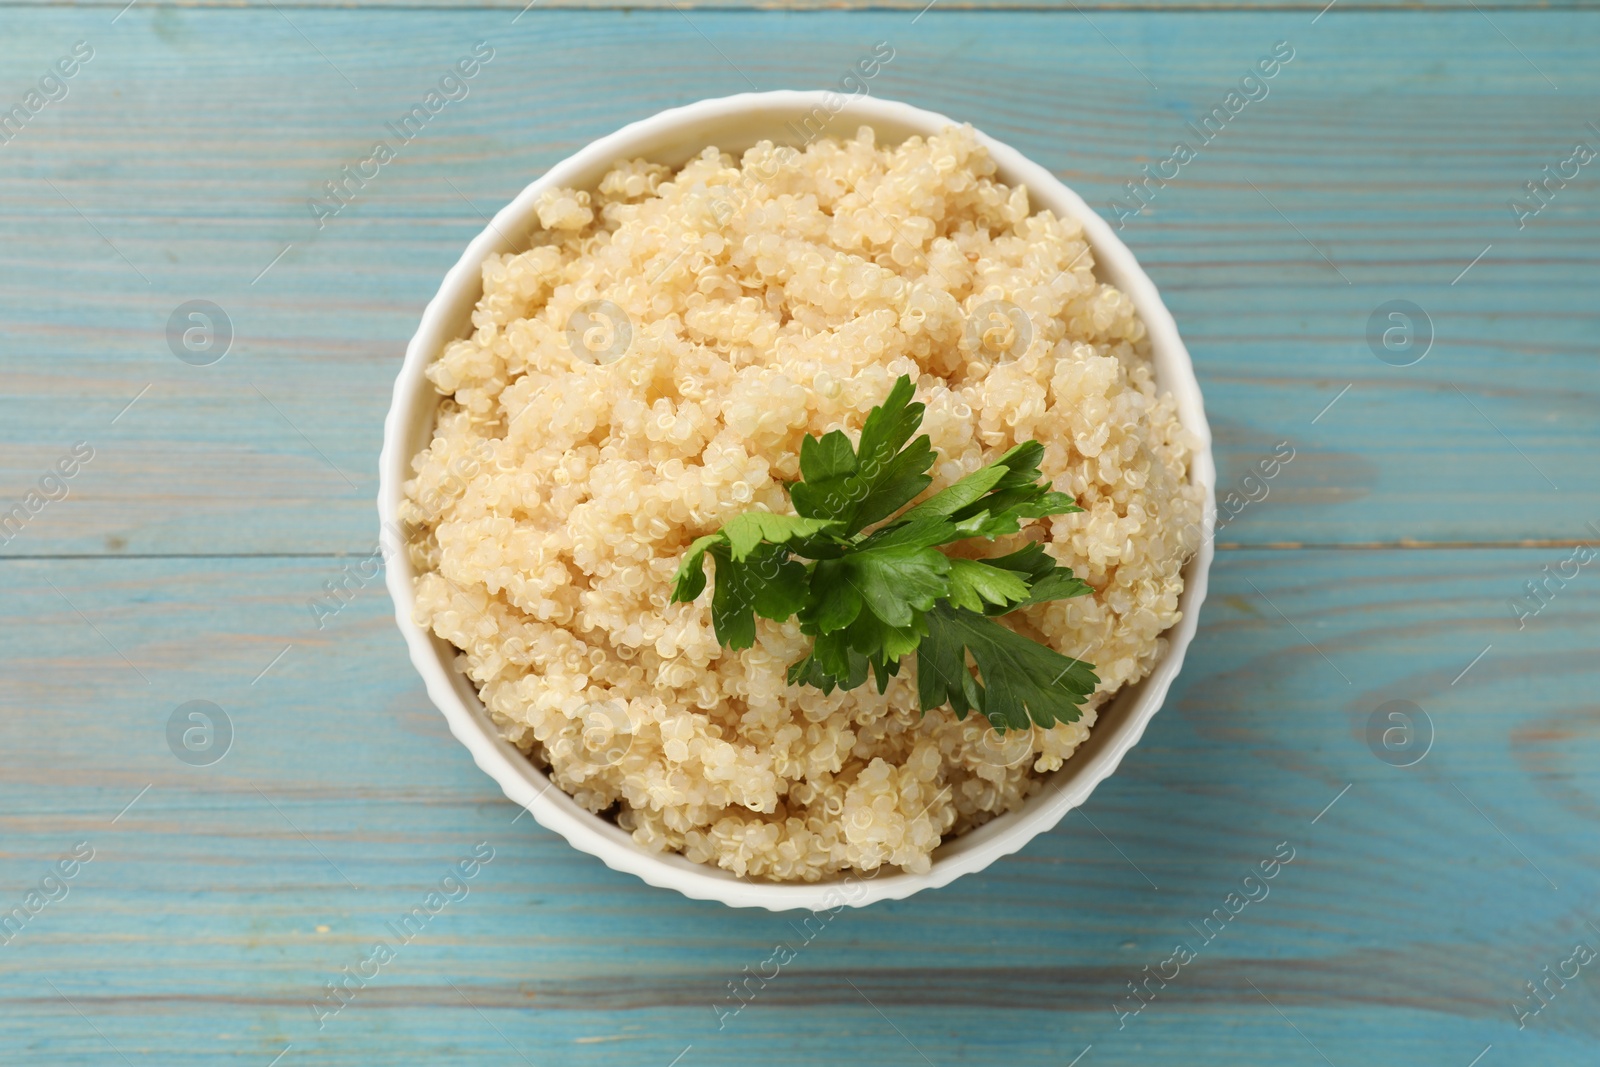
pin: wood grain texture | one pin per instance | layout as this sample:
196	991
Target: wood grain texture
1390	146
223	898
911	7
1400	932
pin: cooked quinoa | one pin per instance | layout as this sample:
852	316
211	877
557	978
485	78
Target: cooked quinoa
581	446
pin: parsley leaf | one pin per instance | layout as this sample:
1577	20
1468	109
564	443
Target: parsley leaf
1023	680
879	478
868	600
828	456
832	664
766	583
690	580
1002	473
742	535
1046	579
834	602
747	530
896	582
977	585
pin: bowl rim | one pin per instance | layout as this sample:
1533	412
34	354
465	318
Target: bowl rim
523	783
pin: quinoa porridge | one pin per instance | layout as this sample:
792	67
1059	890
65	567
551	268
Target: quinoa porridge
649	368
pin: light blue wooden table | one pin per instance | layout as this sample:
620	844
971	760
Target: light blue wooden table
1384	564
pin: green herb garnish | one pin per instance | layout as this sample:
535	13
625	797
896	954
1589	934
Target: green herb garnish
870	599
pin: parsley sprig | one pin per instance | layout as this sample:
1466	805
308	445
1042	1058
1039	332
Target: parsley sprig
869	599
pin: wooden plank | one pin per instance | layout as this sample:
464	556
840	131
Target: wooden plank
180	165
217	905
912	7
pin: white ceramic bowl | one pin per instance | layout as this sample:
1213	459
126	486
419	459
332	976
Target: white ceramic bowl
733	124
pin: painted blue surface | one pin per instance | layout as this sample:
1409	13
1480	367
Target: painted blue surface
1382	565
